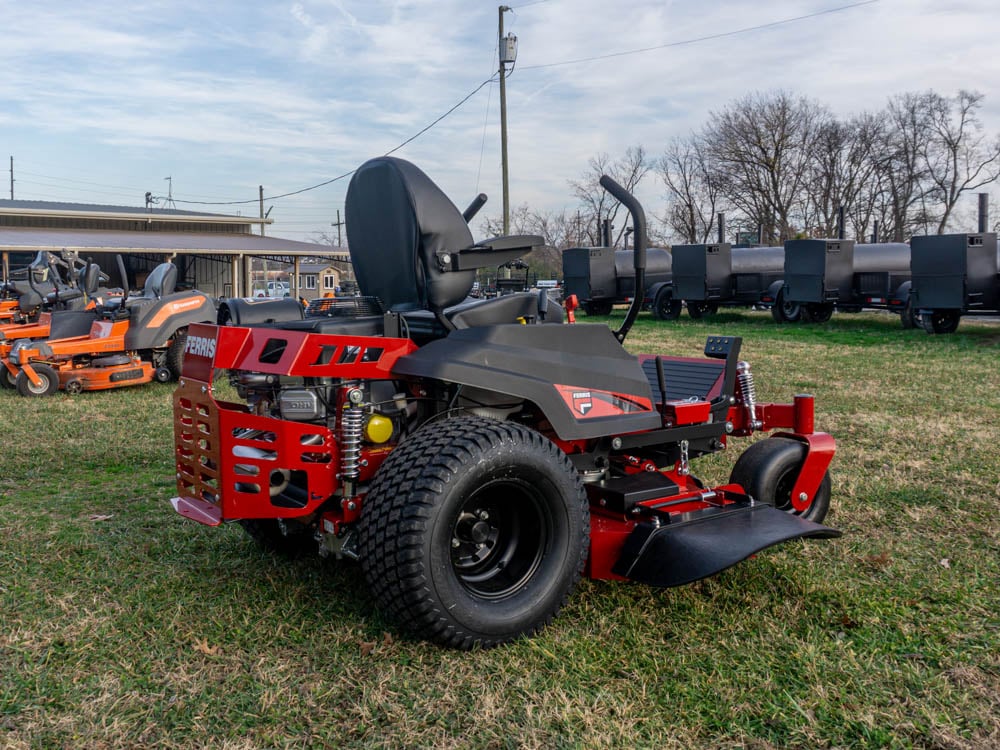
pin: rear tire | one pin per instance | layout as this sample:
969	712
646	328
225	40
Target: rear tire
909	318
699	310
174	360
598	308
48	376
474	532
817	312
665	307
784	311
767	471
941	321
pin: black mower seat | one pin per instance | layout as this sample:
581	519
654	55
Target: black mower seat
412	249
423	325
64	296
161	281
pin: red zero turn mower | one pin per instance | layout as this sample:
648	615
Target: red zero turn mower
477	456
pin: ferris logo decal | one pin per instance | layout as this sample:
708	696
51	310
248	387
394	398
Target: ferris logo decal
582	401
200	346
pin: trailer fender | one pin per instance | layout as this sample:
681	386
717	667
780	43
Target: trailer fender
767	299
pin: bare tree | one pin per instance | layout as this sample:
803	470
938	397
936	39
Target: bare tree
595	203
843	170
558	231
762	147
693	189
901	165
958	155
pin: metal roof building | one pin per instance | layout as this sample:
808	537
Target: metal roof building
213	252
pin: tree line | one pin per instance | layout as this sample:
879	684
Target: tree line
782	165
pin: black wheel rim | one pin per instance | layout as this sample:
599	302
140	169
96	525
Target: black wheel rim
498	538
783	494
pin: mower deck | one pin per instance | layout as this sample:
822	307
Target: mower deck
699	544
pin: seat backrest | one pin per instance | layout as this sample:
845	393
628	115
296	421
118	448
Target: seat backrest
397	222
161	281
90	279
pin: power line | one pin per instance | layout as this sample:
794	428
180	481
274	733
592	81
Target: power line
706	38
345	174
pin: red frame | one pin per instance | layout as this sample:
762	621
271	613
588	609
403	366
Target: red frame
211	490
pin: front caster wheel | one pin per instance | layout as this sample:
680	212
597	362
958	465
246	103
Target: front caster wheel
474	532
767	471
46	373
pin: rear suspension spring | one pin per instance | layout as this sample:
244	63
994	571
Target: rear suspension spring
748	394
351	427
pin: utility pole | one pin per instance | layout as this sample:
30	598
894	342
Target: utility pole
507	54
260	189
11	180
338	224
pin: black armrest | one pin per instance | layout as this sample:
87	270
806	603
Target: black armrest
492	252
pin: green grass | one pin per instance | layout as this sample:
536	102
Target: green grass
125	626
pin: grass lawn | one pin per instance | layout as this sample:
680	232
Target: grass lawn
126	626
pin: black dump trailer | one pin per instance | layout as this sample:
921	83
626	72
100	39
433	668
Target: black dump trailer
709	276
821	275
954	275
602	277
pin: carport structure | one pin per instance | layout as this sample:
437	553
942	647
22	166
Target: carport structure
213	252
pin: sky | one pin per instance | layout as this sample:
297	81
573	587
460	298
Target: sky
101	101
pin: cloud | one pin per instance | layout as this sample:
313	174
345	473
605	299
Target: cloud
229	94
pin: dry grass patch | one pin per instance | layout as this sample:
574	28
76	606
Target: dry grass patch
126	626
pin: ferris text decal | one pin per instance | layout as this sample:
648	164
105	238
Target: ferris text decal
200	346
590	403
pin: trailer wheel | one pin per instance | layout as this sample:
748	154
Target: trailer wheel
49	378
767	470
597	308
175	353
699	310
294	541
909	317
817	312
474	532
784	311
941	321
665	307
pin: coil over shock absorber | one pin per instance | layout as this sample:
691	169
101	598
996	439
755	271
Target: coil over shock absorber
351	426
748	393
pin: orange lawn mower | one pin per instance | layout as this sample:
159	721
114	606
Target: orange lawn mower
26	295
130	341
67	312
53	281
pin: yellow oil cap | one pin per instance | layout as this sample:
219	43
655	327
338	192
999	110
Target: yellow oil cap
378	429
